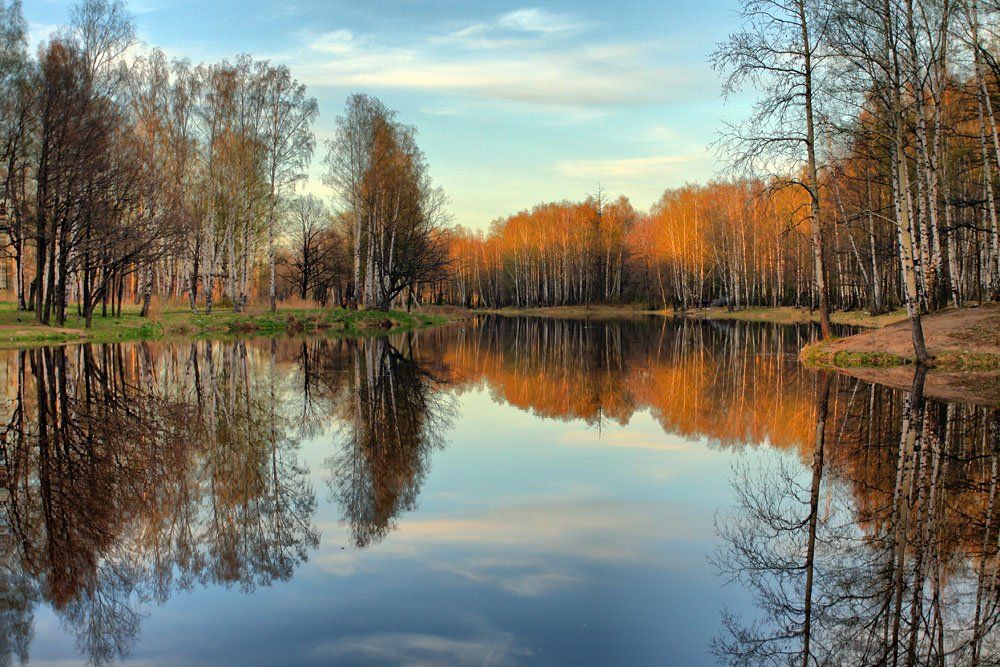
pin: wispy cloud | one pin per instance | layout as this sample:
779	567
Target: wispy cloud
520	27
538	20
337	42
582	77
513	57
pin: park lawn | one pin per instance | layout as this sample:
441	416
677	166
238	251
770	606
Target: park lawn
18	328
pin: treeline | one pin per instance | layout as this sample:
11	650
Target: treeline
866	177
132	168
125	174
721	243
738	243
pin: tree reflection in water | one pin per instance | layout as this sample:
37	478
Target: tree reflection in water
389	411
393	415
905	537
128	472
126	478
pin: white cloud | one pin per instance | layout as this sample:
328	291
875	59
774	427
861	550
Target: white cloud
537	20
339	42
588	76
519	28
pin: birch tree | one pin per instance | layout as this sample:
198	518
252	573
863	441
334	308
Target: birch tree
780	50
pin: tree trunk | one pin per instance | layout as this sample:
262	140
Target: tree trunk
815	225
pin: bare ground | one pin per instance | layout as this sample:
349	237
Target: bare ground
965	344
950	331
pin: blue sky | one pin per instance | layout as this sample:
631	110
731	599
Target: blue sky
516	102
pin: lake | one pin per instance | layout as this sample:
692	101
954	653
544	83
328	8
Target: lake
501	492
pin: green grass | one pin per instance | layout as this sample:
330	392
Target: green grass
18	329
869	360
968	361
818	356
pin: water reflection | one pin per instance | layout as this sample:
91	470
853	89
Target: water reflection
730	382
126	478
393	415
896	563
869	535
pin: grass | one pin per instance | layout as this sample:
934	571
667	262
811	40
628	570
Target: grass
968	361
818	356
18	328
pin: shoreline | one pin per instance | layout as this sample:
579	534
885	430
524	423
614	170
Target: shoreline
965	340
221	323
965	344
778	315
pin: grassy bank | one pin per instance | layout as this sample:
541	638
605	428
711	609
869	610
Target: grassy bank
18	328
966	340
820	356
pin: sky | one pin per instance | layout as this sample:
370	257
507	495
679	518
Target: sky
516	103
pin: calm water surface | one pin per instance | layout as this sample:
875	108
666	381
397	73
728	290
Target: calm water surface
509	491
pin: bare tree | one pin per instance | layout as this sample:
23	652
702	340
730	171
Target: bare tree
382	181
348	158
316	252
780	50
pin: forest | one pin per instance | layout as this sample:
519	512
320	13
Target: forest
865	177
126	174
